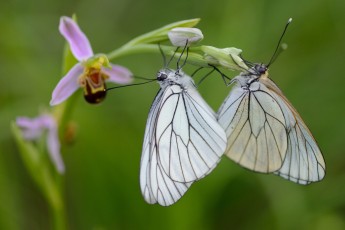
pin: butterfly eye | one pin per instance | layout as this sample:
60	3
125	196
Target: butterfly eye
161	76
260	69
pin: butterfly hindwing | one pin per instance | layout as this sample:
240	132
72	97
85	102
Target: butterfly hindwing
304	162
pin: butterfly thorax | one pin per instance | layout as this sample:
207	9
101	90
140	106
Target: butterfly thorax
246	79
167	77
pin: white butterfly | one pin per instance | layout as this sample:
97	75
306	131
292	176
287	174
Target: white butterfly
265	132
183	141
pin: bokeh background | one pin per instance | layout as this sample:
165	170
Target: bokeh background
102	178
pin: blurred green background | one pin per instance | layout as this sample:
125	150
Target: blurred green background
102	178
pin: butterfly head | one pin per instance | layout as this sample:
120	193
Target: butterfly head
167	77
260	70
257	71
162	75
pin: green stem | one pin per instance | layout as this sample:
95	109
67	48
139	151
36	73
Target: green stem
64	112
54	191
136	49
59	218
41	173
193	54
160	34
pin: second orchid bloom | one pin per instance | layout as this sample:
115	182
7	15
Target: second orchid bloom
90	73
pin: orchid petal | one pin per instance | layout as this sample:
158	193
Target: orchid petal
67	85
31	128
79	44
54	146
118	74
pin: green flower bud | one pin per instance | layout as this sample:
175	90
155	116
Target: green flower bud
227	57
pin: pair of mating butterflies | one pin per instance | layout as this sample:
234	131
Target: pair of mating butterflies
256	126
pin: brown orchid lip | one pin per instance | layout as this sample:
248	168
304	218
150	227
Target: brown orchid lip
94	86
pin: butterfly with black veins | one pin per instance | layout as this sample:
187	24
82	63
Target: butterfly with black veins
265	132
183	141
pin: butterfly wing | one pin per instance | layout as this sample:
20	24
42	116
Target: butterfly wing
156	186
189	139
255	127
304	162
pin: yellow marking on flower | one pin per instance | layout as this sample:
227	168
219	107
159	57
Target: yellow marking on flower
97	62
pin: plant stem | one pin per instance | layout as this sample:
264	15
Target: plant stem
59	217
194	55
136	49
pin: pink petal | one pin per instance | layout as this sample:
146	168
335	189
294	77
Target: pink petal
79	44
31	128
118	74
67	85
53	144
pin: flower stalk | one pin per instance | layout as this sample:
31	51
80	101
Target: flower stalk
160	35
202	56
39	169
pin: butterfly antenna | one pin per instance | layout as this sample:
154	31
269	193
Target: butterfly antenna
185	48
276	53
163	56
172	57
144	78
185	60
123	86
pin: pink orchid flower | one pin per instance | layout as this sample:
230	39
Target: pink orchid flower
33	129
90	73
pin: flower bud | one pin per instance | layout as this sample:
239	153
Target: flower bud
180	35
226	57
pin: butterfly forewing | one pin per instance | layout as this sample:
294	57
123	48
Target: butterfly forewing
265	132
156	186
254	124
183	142
189	139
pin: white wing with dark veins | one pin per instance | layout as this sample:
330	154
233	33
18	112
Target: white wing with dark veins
190	141
183	143
156	186
255	127
304	162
